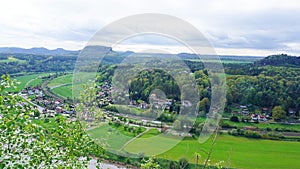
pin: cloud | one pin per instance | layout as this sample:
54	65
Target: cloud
234	24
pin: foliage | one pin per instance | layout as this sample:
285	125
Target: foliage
151	163
146	81
27	143
234	119
278	113
183	163
280	60
273	86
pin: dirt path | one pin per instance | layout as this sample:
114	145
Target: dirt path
26	85
45	90
66	84
131	140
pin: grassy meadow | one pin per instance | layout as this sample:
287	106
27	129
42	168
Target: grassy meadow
111	137
30	80
63	85
236	152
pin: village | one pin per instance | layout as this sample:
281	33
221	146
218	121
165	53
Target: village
50	107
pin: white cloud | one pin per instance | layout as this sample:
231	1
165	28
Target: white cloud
245	25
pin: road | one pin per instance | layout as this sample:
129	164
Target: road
44	88
53	87
38	107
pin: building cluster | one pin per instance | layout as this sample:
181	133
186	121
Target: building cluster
263	116
50	106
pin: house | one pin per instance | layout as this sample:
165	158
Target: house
262	118
30	92
235	113
133	102
156	122
265	110
243	107
245	112
143	105
291	112
186	103
39	100
59	109
47	102
254	117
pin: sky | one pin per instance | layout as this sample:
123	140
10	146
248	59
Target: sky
233	27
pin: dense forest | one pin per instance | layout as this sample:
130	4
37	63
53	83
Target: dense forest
280	60
247	84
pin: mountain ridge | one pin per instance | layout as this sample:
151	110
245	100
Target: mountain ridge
38	51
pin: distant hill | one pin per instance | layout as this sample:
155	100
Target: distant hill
38	51
279	60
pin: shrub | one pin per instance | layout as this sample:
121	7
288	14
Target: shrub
234	119
183	163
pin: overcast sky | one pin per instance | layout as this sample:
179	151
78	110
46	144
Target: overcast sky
241	27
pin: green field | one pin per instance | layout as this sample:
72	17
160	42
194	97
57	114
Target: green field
239	152
65	79
62	85
260	125
273	126
64	91
111	137
27	78
36	82
151	133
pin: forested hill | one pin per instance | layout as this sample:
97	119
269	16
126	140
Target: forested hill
280	60
39	51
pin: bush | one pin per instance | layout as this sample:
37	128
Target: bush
226	125
252	134
268	129
234	119
184	163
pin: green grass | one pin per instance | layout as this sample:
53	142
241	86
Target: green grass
36	82
273	126
260	125
113	138
64	91
151	133
66	79
26	78
133	110
243	152
62	85
152	144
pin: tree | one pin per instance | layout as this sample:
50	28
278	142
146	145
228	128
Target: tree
151	163
203	105
234	119
28	143
173	165
278	113
184	163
